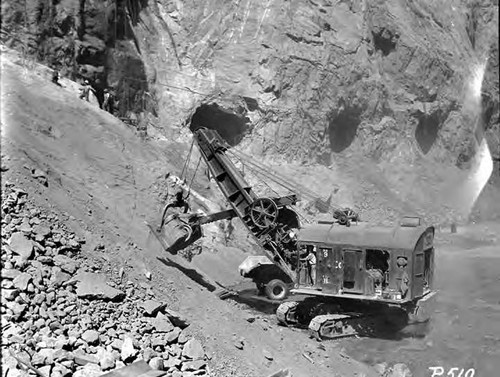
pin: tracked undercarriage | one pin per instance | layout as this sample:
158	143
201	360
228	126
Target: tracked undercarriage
333	320
319	319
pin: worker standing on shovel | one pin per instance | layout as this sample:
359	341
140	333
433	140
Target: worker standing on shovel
55	77
107	105
178	202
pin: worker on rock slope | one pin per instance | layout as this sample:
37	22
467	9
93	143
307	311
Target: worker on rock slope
85	90
179	202
55	77
108	101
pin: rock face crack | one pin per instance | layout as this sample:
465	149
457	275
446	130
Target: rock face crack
300	39
315	63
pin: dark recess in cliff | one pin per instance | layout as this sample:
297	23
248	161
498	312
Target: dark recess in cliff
385	40
472	17
342	128
489	107
231	127
427	130
251	103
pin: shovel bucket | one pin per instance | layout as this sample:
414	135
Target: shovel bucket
178	234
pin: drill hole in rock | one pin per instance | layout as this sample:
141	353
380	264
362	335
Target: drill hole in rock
342	129
427	131
231	127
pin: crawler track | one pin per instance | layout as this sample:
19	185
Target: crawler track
333	326
328	320
287	313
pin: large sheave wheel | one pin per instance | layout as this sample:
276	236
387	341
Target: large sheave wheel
263	212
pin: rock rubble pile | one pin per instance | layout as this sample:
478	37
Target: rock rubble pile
63	316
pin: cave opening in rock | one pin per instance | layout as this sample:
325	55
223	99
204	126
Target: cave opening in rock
385	41
427	130
230	126
342	129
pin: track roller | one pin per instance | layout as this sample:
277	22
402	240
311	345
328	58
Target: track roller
287	313
331	326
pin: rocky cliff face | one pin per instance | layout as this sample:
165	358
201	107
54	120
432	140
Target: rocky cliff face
84	39
371	75
313	81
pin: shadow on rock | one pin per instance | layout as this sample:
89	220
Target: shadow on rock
190	273
261	304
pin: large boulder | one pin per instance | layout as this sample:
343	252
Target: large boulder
66	264
399	370
151	307
22	280
89	370
91	337
193	350
94	287
161	323
21	245
128	350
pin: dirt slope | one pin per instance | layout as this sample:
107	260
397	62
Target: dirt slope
105	181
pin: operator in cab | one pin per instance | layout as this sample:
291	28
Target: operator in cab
310	259
402	276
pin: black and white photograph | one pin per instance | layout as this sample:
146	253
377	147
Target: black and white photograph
250	188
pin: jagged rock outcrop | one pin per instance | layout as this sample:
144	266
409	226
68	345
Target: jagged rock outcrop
84	39
314	76
320	72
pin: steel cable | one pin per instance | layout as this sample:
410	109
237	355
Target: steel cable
192	179
188	158
279	179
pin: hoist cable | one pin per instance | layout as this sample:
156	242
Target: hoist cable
277	178
303	218
290	184
192	179
274	178
188	158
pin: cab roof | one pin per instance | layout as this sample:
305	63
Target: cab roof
363	235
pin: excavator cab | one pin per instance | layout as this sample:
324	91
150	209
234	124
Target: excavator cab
369	262
360	271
